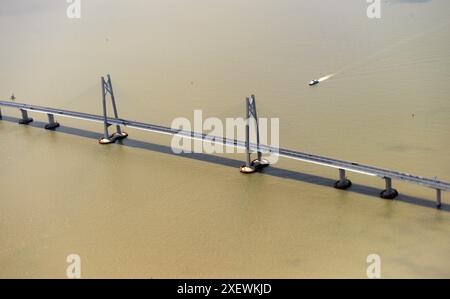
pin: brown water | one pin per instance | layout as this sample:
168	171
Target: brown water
136	211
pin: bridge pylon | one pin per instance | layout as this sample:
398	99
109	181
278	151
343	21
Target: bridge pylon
259	162
107	89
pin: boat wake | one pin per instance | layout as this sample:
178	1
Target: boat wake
325	77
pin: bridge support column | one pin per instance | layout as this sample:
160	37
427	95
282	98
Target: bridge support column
25	119
119	134
107	89
389	192
1	113
248	167
107	139
343	182
438	199
259	162
52	124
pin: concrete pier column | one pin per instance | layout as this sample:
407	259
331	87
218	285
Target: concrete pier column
52	124
343	182
259	162
25	119
113	101
247	136
119	133
107	139
248	167
389	192
438	199
0	113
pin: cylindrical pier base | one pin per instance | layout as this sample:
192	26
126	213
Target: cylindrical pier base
247	169
343	182
106	141
260	163
389	192
25	119
113	138
120	135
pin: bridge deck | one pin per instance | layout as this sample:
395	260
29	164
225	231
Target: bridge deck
310	158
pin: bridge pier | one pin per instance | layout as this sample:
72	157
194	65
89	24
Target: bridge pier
389	192
438	199
248	167
119	134
52	124
259	162
25	119
343	182
1	113
107	138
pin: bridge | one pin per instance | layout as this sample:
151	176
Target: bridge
250	147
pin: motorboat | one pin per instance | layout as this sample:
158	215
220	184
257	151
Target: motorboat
314	82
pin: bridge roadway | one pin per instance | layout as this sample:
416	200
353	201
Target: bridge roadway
291	154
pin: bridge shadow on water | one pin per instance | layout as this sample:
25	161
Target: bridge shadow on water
223	161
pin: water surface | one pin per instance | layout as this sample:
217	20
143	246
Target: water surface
138	211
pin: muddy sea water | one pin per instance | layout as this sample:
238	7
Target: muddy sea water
137	210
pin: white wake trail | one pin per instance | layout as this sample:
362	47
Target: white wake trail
325	77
